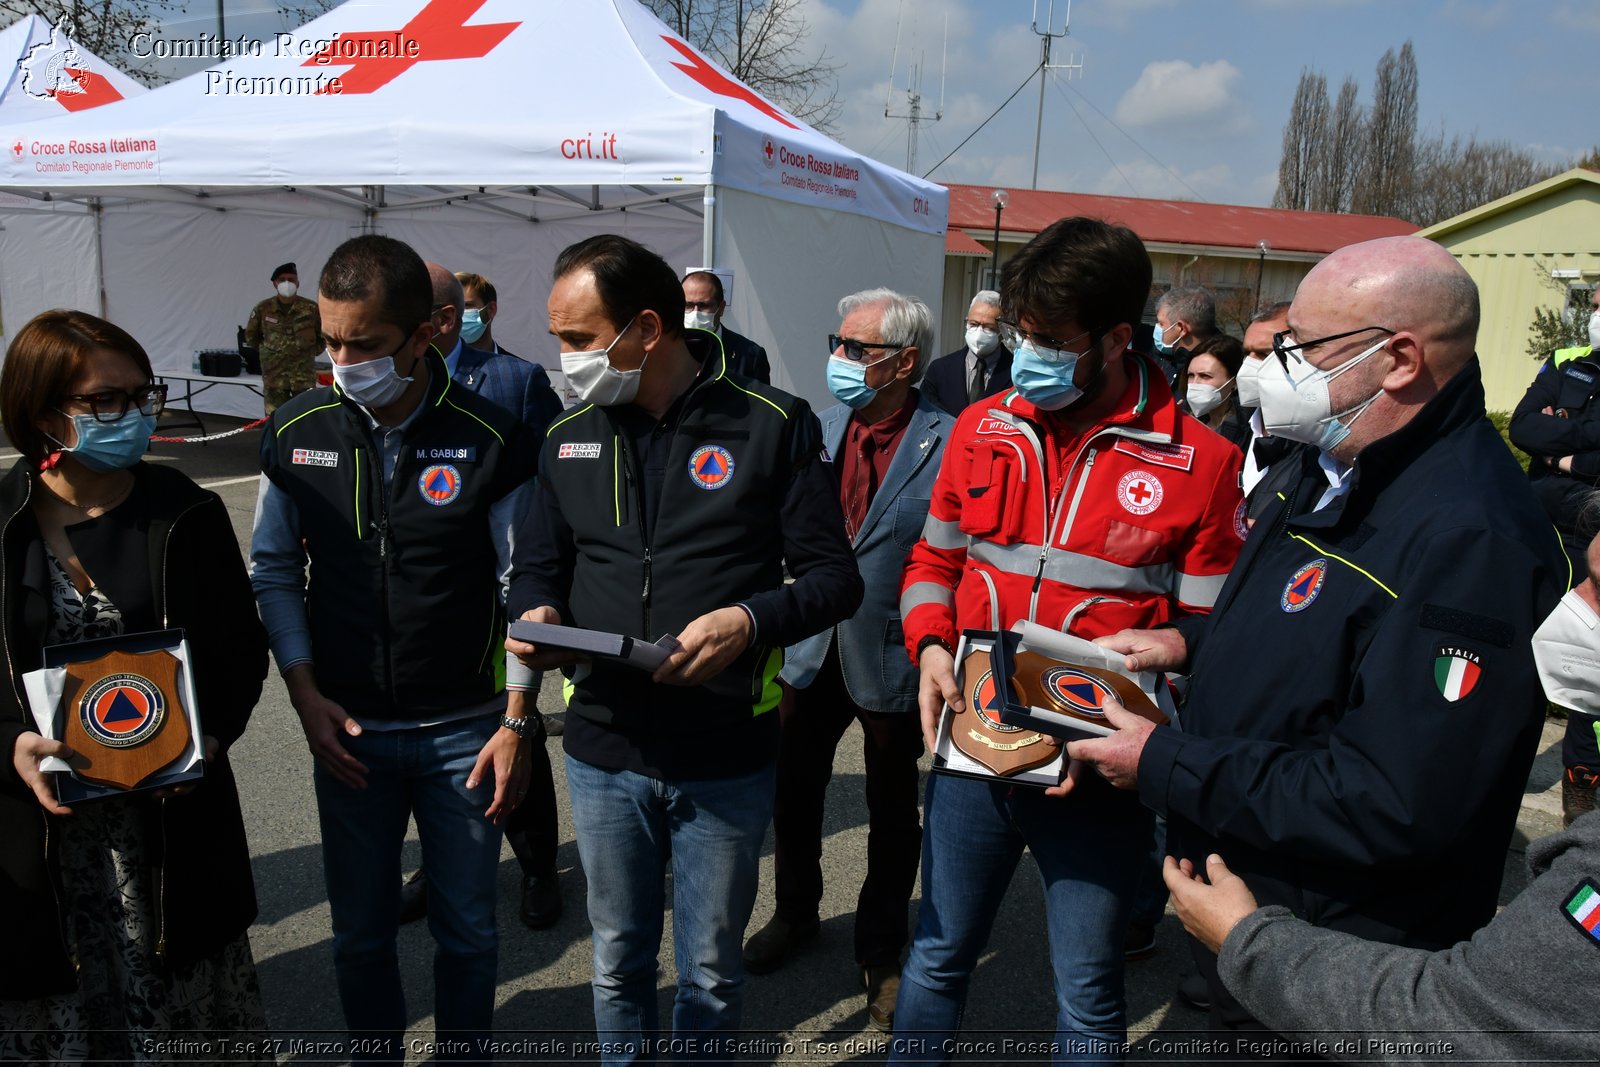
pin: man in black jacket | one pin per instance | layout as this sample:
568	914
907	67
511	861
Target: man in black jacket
980	367
670	502
1558	424
385	480
703	307
1363	706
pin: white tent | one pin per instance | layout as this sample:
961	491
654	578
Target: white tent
489	134
52	75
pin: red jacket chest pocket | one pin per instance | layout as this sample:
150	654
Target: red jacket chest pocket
995	492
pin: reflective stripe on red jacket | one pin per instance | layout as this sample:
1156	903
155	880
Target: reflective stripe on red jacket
1139	524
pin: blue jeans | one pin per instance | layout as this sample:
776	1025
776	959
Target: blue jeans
422	773
1089	848
628	827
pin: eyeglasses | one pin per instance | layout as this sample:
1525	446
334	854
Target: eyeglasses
855	351
1048	347
111	404
974	324
701	305
1282	350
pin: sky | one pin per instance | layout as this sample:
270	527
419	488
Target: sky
1175	98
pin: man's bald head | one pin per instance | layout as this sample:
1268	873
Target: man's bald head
1403	283
1402	313
448	299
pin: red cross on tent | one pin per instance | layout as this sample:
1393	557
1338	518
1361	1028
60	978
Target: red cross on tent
719	83
438	31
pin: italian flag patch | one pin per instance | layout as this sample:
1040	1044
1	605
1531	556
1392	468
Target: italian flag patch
1583	908
1456	672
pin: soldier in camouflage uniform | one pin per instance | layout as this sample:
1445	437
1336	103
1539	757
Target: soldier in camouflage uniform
288	331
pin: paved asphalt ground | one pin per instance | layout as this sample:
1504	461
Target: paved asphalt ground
812	1010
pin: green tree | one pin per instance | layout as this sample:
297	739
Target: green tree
1563	326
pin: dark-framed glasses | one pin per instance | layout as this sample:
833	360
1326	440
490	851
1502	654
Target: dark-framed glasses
109	405
856	351
701	305
1283	343
1048	348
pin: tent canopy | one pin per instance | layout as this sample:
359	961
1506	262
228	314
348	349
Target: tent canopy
52	75
544	110
488	134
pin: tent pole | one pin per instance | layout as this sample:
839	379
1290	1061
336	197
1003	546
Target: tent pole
100	255
708	239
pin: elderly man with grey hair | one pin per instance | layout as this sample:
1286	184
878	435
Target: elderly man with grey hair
1185	317
980	367
884	441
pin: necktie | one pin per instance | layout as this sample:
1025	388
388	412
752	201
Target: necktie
975	391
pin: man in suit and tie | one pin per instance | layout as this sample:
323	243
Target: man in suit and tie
884	441
703	306
523	389
980	368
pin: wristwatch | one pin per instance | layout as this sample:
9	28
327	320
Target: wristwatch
933	639
516	726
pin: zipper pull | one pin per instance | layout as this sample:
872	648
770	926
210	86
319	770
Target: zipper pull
645	593
383	546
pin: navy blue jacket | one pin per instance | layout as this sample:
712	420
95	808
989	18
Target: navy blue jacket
945	382
745	357
512	383
872	645
1364	706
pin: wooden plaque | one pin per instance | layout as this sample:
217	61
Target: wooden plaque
1077	691
980	735
124	717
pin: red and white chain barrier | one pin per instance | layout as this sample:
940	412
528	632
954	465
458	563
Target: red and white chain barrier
207	437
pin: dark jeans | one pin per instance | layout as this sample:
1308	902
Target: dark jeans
531	831
814	719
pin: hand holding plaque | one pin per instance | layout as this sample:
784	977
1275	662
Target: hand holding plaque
1027	691
125	707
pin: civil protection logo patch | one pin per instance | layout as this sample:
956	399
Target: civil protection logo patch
122	710
440	484
1583	909
986	705
711	467
1456	672
1080	692
1304	586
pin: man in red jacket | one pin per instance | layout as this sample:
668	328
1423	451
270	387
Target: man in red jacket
1080	499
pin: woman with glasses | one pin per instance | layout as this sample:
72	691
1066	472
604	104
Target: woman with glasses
127	914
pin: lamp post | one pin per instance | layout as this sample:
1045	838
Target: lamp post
1262	248
1000	198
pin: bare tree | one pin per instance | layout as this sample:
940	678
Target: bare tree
1339	157
762	43
1303	137
1383	183
1451	177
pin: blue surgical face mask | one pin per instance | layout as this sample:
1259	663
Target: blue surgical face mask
847	381
472	325
1044	375
1158	339
110	446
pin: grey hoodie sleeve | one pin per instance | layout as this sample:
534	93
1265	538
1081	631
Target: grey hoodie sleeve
1520	990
